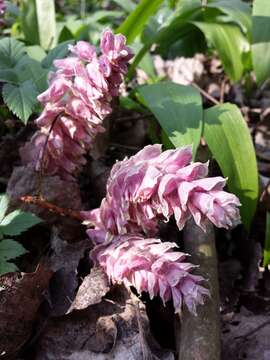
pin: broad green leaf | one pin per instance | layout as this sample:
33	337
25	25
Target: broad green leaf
17	222
20	99
65	35
58	52
229	141
9	249
36	52
230	44
266	250
261	39
102	15
174	28
38	24
127	5
46	23
134	23
238	11
28	21
11	51
3	206
178	109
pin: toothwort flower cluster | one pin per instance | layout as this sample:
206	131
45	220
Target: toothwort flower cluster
142	190
75	105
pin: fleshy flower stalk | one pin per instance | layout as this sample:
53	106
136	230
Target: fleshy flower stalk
75	105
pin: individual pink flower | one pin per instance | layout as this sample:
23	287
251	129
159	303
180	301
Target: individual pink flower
75	104
151	266
153	186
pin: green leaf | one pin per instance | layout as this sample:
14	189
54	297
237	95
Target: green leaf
127	5
17	222
46	23
178	109
172	29
8	75
20	99
58	52
9	249
3	206
134	23
230	44
38	24
28	21
29	68
11	51
229	140
6	267
102	15
36	52
261	39
65	35
266	250
236	10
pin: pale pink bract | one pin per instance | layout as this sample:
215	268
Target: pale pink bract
75	104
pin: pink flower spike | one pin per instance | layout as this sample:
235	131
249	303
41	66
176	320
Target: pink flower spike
152	186
151	266
75	104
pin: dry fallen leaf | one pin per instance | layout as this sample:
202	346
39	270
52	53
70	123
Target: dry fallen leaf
93	288
108	330
20	297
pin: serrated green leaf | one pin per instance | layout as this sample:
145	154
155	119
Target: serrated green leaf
230	44
20	99
17	222
10	249
178	109
229	140
11	51
9	75
28	68
261	39
58	52
6	267
134	23
266	249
